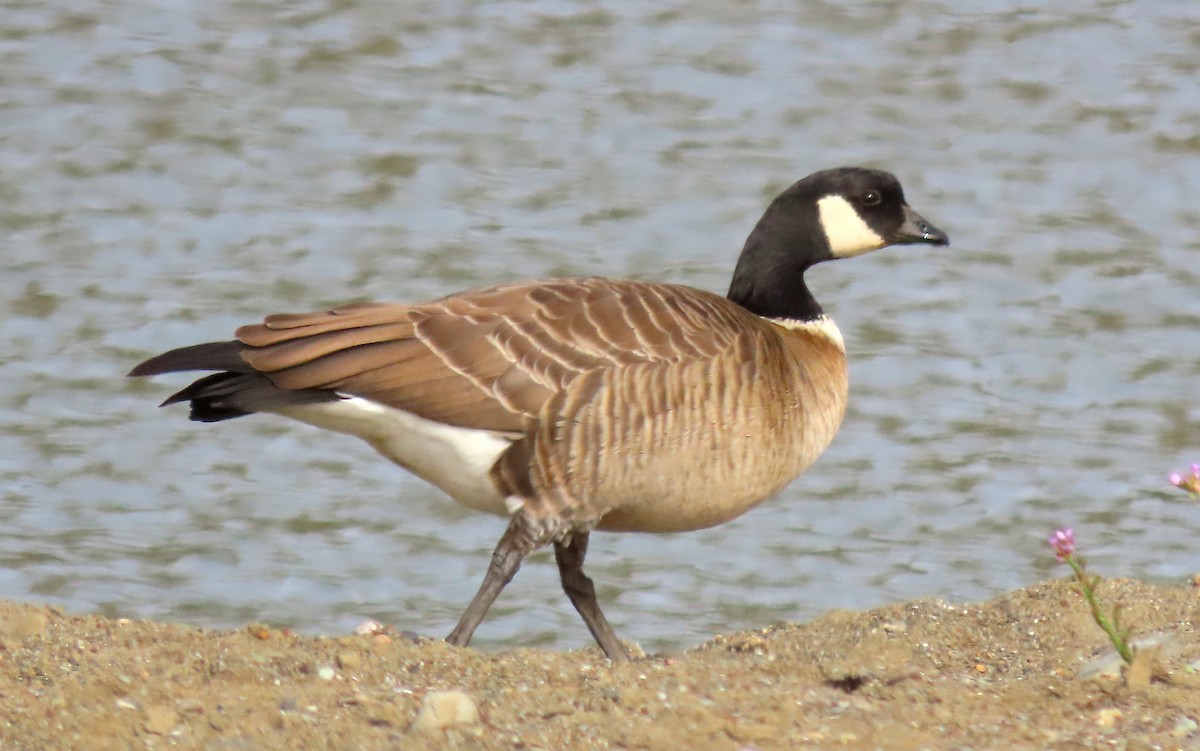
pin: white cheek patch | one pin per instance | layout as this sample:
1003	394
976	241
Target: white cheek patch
846	231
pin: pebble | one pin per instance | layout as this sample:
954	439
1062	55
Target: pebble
441	709
326	673
1107	718
753	731
1184	728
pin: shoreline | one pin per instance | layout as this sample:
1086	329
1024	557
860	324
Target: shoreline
1025	669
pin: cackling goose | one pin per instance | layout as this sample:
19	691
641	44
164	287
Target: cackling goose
572	405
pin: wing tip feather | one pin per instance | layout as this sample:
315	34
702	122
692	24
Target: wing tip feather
206	356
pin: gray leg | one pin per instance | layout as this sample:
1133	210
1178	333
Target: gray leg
582	592
514	545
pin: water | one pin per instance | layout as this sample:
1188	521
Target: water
170	170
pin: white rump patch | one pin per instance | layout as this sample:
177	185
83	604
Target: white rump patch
457	460
823	326
846	231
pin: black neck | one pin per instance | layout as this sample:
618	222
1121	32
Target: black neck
769	278
784	296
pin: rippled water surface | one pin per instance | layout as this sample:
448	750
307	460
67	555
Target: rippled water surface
170	170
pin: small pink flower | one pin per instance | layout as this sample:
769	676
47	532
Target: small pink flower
1187	483
1063	543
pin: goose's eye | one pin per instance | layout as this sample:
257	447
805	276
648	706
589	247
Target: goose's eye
871	198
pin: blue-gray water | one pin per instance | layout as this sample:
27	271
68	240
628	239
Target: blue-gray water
170	170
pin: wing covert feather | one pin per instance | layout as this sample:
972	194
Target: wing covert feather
490	358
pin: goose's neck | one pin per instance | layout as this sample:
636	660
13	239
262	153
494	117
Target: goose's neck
772	285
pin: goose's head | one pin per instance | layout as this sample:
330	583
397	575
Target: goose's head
836	213
861	210
845	212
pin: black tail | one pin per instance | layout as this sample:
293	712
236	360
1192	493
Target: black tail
207	356
235	391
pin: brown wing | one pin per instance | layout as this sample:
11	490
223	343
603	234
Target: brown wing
489	358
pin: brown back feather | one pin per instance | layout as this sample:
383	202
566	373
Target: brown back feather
490	358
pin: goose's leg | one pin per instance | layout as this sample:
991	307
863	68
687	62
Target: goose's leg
579	588
514	545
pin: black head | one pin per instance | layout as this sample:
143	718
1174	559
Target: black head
836	213
858	210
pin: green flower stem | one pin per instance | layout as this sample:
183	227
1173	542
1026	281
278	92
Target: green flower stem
1089	594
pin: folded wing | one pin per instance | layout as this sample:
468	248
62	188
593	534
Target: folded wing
485	359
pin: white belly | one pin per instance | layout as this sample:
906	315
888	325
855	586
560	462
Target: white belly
457	460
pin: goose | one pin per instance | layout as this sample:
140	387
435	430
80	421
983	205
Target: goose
582	404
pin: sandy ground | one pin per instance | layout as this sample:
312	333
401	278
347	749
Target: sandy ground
1028	670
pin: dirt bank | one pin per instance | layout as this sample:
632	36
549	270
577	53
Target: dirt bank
1025	670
